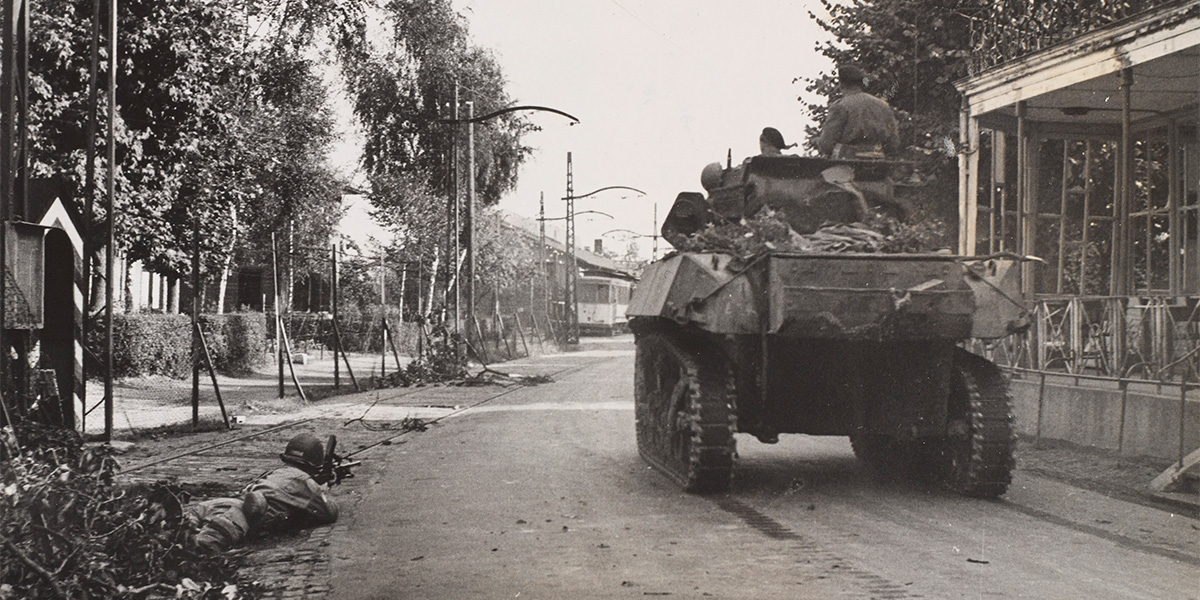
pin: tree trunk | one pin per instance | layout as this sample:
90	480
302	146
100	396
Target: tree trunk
125	296
403	280
97	283
288	270
223	286
172	295
432	282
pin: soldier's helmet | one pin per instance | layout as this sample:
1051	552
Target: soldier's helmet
304	451
852	74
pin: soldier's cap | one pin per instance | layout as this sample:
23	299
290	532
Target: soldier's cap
773	137
850	73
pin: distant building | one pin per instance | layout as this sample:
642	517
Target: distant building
603	284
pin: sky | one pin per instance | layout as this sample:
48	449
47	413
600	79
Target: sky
661	88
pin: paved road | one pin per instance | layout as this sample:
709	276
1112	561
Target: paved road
540	493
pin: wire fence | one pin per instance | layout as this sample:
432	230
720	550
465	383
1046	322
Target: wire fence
333	324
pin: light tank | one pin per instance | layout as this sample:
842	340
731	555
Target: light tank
780	341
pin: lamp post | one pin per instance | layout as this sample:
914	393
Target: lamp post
571	284
470	121
632	233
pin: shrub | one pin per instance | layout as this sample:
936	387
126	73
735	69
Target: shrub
161	344
68	530
152	344
236	341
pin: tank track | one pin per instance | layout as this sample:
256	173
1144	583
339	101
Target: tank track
981	462
687	434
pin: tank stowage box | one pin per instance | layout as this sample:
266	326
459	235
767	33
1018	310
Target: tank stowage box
856	344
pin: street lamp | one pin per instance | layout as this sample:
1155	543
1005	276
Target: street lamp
582	212
571	284
632	233
471	120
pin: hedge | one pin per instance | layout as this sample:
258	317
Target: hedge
161	344
238	341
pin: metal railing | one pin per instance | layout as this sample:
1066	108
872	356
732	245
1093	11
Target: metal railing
1154	339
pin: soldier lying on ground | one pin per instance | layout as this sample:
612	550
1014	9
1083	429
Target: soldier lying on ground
225	523
283	499
294	498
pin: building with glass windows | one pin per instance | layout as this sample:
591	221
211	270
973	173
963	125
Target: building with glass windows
1085	154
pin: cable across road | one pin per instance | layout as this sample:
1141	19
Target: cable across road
382	441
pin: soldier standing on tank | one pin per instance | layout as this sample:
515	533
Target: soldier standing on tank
858	125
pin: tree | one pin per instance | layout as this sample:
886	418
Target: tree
508	258
401	88
401	91
916	49
216	121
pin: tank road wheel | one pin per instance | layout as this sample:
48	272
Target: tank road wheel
977	455
684	413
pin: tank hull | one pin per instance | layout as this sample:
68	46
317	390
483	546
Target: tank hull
863	297
838	344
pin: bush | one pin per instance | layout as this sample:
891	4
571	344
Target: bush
161	344
152	344
236	341
67	530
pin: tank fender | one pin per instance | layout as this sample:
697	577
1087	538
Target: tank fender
677	288
996	286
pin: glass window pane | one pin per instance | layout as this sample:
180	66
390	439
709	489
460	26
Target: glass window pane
1046	247
1096	271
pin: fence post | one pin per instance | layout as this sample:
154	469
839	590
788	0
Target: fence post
553	332
387	326
278	316
520	332
1183	388
195	321
383	340
291	366
501	336
337	333
1040	404
537	330
212	372
1124	385
482	343
333	308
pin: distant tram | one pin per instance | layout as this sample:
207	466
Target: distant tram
603	301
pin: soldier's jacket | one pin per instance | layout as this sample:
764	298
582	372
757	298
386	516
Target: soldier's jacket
294	499
859	119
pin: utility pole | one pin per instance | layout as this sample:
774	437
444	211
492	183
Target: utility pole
455	225
110	253
471	245
542	253
654	236
571	303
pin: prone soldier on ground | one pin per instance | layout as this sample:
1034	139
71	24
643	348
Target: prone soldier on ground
291	497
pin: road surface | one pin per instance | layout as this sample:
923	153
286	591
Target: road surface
540	493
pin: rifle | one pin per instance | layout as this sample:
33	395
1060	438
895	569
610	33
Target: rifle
336	468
